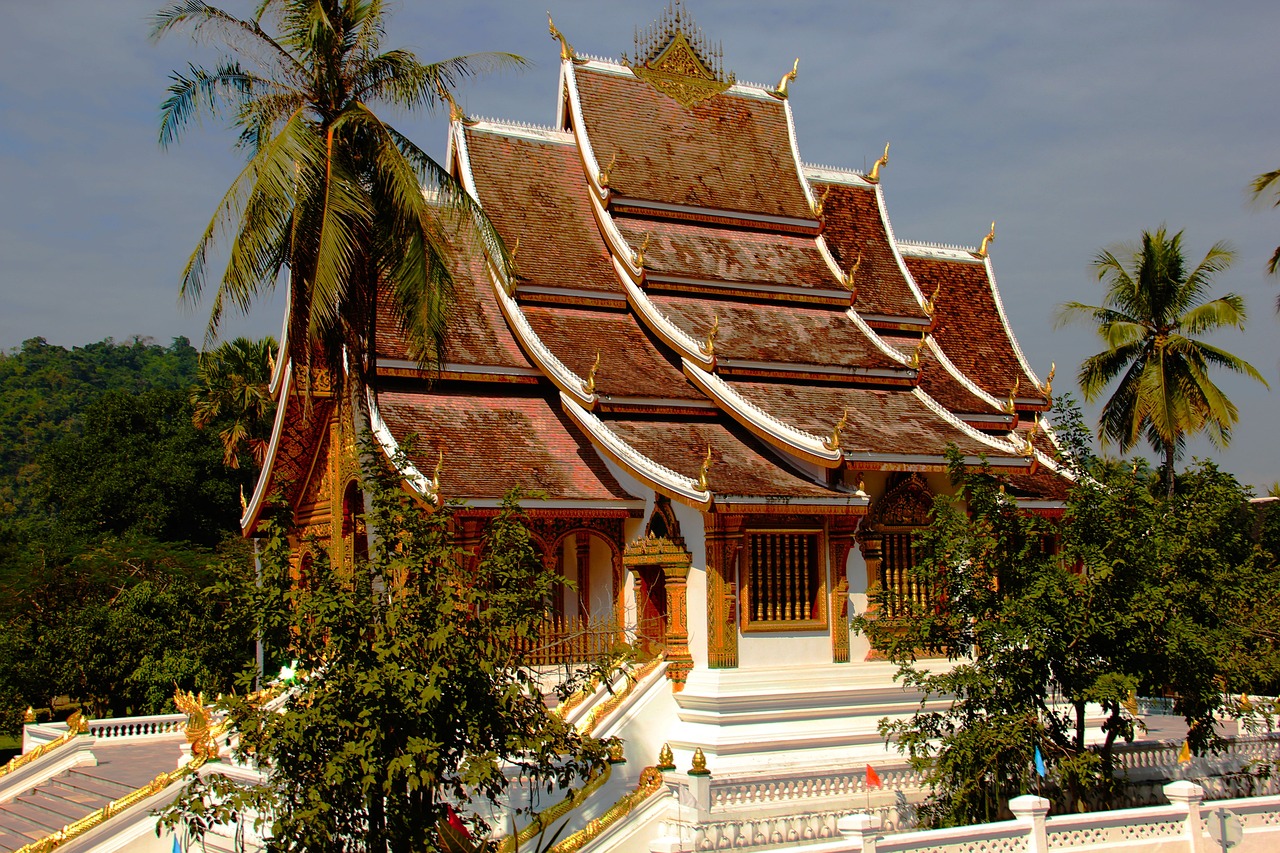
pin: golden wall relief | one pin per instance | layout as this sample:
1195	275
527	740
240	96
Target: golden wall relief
724	547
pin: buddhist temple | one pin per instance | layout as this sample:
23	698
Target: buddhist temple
728	387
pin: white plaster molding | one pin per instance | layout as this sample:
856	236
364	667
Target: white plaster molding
677	338
427	487
541	355
1004	321
251	510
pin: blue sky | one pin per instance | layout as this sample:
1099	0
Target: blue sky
1073	125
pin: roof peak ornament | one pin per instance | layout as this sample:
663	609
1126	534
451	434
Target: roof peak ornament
820	203
638	256
590	385
1047	388
915	354
874	175
987	241
708	347
931	304
781	91
566	49
455	112
607	170
850	279
676	58
1013	393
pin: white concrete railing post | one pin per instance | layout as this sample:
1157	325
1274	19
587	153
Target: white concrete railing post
1032	810
861	830
1188	795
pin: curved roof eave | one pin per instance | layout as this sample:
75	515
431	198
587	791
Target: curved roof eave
253	509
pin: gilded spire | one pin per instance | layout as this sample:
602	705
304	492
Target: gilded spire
666	760
699	767
566	49
708	347
706	468
987	241
781	91
676	58
833	443
879	164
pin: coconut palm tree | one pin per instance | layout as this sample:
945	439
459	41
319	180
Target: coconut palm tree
1153	311
332	194
231	394
1262	185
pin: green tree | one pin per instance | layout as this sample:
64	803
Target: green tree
415	692
331	193
1151	317
1162	597
232	395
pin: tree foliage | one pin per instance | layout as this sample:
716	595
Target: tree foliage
1151	318
1043	624
232	395
416	694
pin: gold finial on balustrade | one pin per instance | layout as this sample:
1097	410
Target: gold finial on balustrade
862	487
30	715
666	760
699	767
78	723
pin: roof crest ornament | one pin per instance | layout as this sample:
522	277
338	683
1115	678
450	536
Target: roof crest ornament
931	304
590	385
1047	387
637	257
833	443
604	173
455	111
850	279
566	49
706	467
1013	393
915	353
874	174
708	347
987	241
781	91
675	57
821	202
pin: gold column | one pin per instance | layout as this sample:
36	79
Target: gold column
840	542
679	661
724	546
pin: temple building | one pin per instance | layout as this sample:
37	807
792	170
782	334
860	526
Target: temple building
730	388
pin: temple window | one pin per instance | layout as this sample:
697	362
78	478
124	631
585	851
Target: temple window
785	580
895	576
889	551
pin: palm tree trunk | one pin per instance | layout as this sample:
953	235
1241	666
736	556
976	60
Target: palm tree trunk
1168	468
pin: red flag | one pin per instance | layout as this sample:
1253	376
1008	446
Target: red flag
455	822
873	778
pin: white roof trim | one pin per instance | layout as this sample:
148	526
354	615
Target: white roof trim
740	87
554	369
454	367
835	175
522	130
960	377
977	435
795	156
427	487
893	244
940	251
1004	321
282	351
806	444
666	328
252	508
644	468
588	153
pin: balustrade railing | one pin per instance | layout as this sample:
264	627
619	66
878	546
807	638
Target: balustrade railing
566	641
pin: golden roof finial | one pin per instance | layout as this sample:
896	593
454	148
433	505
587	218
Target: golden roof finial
1030	448
708	347
1013	392
862	487
434	482
987	241
455	111
666	760
590	385
566	49
879	164
639	254
931	304
821	202
604	173
29	716
781	91
244	505
833	443
699	767
706	467
915	354
1047	388
850	280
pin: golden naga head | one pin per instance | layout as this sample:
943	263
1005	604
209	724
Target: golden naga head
1013	393
931	304
708	347
590	385
781	91
879	164
706	468
608	170
916	353
833	443
987	241
1047	388
566	49
850	280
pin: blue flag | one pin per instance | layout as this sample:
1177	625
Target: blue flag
177	848
1040	762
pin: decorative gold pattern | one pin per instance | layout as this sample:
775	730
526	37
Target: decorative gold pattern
608	706
198	728
724	543
839	543
650	784
699	767
666	759
76	725
987	241
879	164
674	57
616	755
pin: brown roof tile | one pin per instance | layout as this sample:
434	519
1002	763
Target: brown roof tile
737	466
631	364
730	152
880	421
492	443
852	225
786	334
536	192
969	328
728	254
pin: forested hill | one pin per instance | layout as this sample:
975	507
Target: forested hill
120	553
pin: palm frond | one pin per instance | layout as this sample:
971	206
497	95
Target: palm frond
200	90
1219	257
211	23
1226	310
1098	371
1221	358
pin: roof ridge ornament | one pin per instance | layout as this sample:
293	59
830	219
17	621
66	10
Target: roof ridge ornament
931	304
702	472
833	443
820	203
708	348
590	385
638	255
915	353
604	173
566	49
781	91
676	58
1047	387
1013	393
455	112
987	241
850	279
874	175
